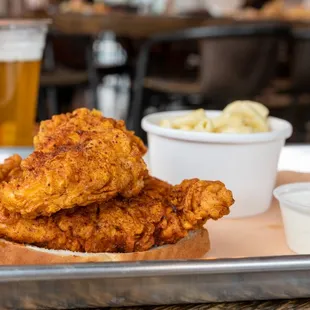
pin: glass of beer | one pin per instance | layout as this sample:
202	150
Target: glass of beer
22	44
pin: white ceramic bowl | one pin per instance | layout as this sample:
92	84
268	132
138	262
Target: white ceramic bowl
246	163
294	202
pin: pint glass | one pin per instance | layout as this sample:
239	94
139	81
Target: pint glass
21	47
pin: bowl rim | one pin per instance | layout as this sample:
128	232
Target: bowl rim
282	130
291	188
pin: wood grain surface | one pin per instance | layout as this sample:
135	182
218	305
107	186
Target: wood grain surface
131	25
269	305
127	25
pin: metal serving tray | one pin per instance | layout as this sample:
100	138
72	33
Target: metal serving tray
151	283
154	283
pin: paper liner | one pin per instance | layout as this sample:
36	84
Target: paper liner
261	235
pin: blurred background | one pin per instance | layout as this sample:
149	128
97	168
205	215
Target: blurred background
129	58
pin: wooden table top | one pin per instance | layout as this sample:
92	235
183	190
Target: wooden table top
129	24
135	26
268	305
122	24
139	26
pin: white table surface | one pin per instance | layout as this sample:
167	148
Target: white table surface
293	157
5	152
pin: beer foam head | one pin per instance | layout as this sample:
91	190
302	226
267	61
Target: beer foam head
22	44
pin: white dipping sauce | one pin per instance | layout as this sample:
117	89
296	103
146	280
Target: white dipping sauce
299	197
295	208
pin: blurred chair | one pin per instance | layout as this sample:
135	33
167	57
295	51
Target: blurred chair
61	70
56	76
298	85
70	63
237	62
300	65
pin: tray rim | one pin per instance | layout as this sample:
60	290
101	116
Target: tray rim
139	269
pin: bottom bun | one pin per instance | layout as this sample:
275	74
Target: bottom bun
195	245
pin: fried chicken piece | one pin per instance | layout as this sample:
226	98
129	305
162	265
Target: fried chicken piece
161	214
61	129
80	158
9	167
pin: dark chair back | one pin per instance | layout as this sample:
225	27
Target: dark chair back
300	62
238	60
70	51
239	66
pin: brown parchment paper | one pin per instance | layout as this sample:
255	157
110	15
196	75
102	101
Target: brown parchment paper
261	235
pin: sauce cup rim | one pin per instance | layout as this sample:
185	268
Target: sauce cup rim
292	188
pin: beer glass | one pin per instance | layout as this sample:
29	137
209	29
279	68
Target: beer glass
21	48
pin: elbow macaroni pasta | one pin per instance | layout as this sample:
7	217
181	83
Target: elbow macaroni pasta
237	117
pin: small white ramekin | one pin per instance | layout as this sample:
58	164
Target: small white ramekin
294	200
246	163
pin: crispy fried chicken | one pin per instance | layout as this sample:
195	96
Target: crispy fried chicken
61	129
9	167
85	188
160	214
80	158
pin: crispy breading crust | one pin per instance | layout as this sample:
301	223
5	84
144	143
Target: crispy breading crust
9	166
161	214
86	189
82	119
79	158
